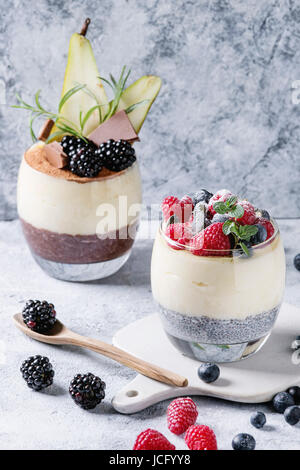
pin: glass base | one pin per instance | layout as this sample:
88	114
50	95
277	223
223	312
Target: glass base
218	352
81	272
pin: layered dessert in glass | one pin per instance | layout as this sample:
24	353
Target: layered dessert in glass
79	186
218	275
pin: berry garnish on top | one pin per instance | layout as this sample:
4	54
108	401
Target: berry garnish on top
116	155
218	223
39	316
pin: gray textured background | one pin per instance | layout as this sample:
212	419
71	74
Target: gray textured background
224	117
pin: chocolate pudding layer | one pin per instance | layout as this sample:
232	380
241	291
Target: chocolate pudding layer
79	249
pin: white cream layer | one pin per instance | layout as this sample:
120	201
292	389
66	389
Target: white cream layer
62	206
218	287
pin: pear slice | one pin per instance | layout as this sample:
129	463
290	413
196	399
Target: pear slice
82	69
146	88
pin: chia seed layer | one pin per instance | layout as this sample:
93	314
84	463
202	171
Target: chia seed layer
207	330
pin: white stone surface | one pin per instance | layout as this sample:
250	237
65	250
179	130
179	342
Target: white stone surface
50	420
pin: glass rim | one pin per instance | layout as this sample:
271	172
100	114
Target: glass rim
229	250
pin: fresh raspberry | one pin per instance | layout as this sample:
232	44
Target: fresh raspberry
152	440
181	414
268	226
200	437
249	216
222	195
181	233
211	238
171	206
186	204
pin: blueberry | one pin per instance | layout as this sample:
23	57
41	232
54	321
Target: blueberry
219	218
201	196
265	214
297	261
292	415
295	393
282	401
260	236
209	372
258	419
243	441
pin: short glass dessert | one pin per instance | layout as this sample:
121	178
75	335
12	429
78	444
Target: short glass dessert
218	303
79	187
61	216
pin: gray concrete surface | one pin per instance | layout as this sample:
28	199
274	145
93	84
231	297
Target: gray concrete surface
50	420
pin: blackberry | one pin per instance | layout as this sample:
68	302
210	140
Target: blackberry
39	316
87	390
37	372
85	162
116	155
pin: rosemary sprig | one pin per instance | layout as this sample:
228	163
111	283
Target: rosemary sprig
64	125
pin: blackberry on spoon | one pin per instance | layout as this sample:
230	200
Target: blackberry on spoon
39	316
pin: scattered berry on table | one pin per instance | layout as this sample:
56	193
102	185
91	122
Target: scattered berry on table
116	155
152	440
268	226
295	393
249	216
209	372
297	261
292	415
260	236
258	419
39	316
37	372
282	401
210	239
87	390
200	437
202	196
243	441
171	207
181	414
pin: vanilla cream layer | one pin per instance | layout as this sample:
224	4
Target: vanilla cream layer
218	287
62	206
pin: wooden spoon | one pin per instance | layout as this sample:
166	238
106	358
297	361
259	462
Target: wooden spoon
62	335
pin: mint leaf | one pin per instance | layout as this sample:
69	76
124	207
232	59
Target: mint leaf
247	231
231	201
220	207
244	248
237	212
227	226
